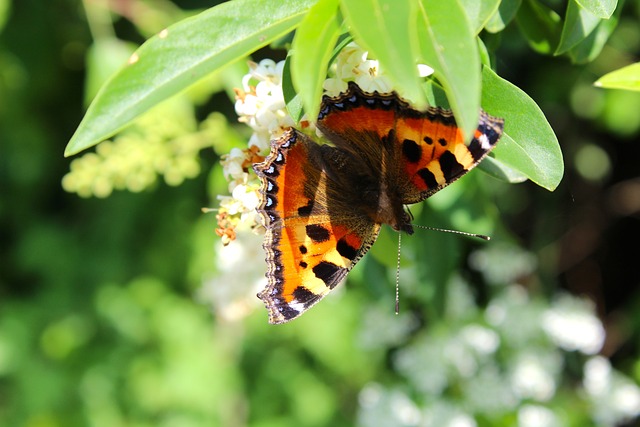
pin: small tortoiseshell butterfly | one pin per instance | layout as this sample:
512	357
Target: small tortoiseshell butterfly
323	205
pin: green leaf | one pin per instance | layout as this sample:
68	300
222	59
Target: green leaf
589	48
624	78
386	28
104	58
500	170
540	25
505	13
529	145
292	99
600	8
312	49
447	43
179	56
479	12
578	24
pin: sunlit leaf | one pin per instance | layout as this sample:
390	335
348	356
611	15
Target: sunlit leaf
479	12
578	24
589	48
312	49
600	8
181	55
447	43
386	28
624	78
529	145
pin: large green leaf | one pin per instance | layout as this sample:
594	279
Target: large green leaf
386	28
179	56
312	49
578	24
600	8
479	12
589	48
624	78
448	44
528	145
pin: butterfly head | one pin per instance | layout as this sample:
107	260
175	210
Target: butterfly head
405	223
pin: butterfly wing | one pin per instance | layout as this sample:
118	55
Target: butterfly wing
314	235
424	150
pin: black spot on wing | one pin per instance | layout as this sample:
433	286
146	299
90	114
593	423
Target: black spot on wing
325	271
476	150
303	295
306	210
450	167
411	151
346	250
428	178
317	233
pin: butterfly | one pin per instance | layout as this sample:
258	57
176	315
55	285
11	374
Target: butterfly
323	204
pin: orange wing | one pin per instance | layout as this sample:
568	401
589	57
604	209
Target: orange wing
314	237
426	149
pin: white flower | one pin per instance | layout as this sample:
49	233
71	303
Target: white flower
379	406
536	416
424	70
481	339
240	276
232	164
571	324
533	376
615	398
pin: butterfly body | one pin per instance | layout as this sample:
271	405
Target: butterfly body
323	204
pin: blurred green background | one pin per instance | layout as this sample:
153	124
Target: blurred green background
126	311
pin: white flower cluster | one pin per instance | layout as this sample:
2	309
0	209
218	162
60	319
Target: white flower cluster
353	64
260	105
508	359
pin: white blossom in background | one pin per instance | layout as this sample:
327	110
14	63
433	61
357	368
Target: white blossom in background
240	275
615	399
537	416
383	407
571	324
533	375
483	340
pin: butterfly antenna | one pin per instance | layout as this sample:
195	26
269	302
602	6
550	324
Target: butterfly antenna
208	210
398	276
446	230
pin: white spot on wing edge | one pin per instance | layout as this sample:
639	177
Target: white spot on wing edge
484	142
